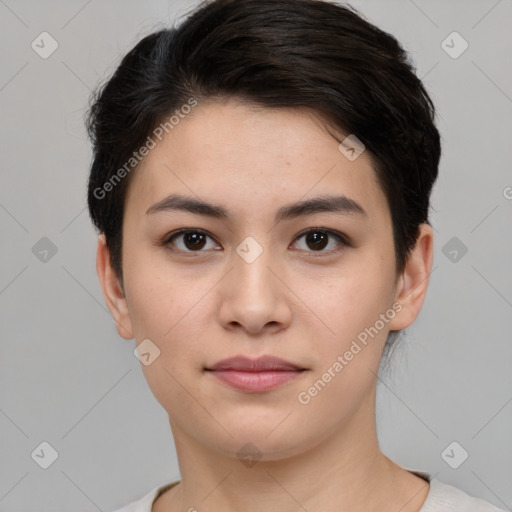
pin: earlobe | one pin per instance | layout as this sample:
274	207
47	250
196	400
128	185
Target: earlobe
413	283
112	290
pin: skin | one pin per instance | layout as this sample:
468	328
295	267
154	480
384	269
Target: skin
294	301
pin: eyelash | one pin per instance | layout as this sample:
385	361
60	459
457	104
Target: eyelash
342	240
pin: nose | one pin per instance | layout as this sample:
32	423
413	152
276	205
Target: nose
254	296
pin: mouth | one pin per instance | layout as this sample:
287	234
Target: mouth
255	375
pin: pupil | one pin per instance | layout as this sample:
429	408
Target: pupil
194	240
318	240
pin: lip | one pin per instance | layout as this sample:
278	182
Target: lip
259	364
255	375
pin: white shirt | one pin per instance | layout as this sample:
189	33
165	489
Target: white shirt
441	498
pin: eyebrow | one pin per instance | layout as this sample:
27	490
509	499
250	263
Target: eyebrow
323	204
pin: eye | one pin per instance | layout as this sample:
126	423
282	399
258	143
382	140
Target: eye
317	239
189	240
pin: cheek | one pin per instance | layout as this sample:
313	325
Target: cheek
154	295
170	308
346	361
351	304
352	299
167	311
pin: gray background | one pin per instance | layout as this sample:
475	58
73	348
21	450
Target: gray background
68	379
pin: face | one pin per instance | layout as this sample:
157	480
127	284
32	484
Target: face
254	276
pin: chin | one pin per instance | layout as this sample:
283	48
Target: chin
253	445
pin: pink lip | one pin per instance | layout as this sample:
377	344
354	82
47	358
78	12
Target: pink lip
255	375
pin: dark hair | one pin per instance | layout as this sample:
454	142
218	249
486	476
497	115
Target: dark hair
272	53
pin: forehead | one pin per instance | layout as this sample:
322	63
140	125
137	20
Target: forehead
253	156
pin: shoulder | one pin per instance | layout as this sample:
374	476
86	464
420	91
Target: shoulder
145	503
444	498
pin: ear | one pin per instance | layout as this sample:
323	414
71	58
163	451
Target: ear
413	282
112	290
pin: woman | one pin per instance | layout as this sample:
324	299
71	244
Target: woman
261	184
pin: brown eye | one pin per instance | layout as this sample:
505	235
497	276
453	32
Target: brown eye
190	240
194	240
316	240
